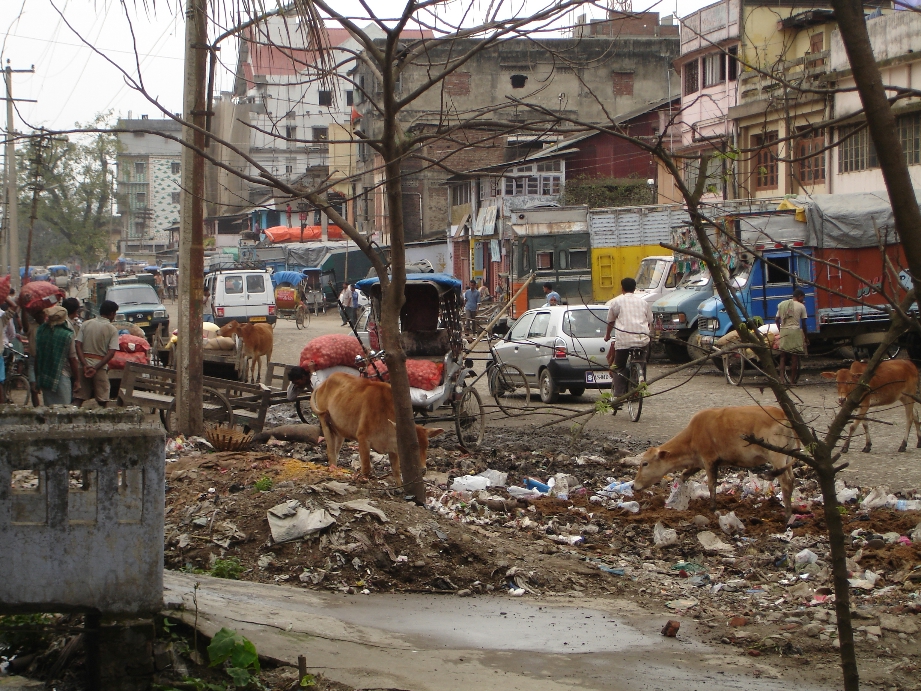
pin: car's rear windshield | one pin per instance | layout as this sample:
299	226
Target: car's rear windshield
587	323
133	295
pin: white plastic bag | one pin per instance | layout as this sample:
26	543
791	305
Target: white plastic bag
663	537
469	483
496	477
807	556
680	497
877	498
730	524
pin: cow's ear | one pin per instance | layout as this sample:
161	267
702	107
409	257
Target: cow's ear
434	432
662	453
829	375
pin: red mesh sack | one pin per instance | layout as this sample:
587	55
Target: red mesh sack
424	374
378	374
132	344
39	295
330	351
121	358
4	288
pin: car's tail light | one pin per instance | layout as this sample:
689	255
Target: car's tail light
271	309
559	351
219	311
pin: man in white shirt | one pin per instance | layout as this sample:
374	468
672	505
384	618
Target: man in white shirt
630	317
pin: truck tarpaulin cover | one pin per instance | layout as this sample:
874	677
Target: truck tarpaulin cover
848	220
286	234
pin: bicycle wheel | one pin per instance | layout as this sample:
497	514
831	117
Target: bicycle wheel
508	385
734	367
635	402
469	419
299	315
17	390
303	412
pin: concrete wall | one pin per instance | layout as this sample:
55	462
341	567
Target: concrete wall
89	535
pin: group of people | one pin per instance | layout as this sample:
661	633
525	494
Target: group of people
167	285
348	304
67	361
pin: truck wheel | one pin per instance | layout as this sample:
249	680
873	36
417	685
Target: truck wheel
676	351
695	350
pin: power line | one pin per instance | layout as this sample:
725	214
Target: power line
81	45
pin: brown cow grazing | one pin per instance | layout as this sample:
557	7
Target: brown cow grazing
894	380
362	409
713	438
258	342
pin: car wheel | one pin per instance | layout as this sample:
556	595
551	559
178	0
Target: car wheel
549	391
576	390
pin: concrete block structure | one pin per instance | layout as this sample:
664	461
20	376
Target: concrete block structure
81	511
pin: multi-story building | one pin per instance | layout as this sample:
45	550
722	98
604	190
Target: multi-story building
148	183
896	41
295	109
614	66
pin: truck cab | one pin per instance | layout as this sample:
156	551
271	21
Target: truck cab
137	300
675	316
657	277
760	286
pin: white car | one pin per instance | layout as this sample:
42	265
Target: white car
558	348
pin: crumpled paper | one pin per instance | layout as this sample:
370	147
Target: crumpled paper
291	521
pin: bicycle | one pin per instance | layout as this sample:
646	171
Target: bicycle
16	388
636	383
506	384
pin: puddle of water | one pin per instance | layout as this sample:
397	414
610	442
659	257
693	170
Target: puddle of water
492	624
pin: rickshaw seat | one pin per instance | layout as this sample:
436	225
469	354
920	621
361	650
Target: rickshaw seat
426	344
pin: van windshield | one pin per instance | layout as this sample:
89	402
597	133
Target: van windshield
650	274
587	323
132	295
696	279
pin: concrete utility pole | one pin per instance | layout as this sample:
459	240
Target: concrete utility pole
11	244
191	224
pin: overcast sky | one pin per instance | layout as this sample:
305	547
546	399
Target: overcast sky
72	84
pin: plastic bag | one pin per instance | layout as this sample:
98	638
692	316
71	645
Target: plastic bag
622	488
877	498
807	556
680	497
496	478
469	483
730	524
845	494
663	537
916	534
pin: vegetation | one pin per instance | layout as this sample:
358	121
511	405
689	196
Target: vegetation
21	634
229	568
237	653
264	484
603	193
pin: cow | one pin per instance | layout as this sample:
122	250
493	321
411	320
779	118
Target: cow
258	342
894	380
362	409
714	437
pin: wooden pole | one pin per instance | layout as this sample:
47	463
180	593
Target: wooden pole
191	228
12	210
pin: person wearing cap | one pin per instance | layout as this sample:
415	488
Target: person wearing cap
97	343
55	357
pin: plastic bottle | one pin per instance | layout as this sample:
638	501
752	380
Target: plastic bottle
531	483
624	488
907	505
631	506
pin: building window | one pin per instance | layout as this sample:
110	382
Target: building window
289	169
349	97
175	197
326	98
549	185
714	69
547	166
321	134
910	137
816	45
544	260
175	167
140	170
518	80
578	259
139	229
691	81
290	131
732	68
765	172
622	83
811	159
460	194
855	149
140	200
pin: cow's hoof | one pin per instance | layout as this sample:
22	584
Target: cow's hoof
866	449
903	447
844	449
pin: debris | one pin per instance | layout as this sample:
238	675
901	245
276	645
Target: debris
340	488
469	483
877	498
680	497
496	478
730	524
362	506
683	603
671	628
664	537
892	622
291	521
711	543
806	557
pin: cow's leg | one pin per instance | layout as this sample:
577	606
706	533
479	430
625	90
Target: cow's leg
333	441
866	431
712	469
850	433
396	471
689	473
364	453
917	419
909	419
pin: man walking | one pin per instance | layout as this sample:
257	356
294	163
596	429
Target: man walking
630	317
96	344
471	302
56	357
345	304
791	321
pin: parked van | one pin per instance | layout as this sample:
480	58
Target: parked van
244	295
60	276
657	277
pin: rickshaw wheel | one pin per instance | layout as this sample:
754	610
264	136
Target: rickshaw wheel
216	409
300	413
734	366
469	419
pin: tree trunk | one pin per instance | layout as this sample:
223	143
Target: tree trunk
835	528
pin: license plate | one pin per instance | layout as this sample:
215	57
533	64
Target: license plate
602	377
257	319
671	327
142	323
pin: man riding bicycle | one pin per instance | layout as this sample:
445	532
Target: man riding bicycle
630	317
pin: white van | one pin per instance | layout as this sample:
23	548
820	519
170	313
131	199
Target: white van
244	295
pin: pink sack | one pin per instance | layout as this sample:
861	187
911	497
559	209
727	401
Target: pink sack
4	288
331	350
121	358
39	295
132	344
